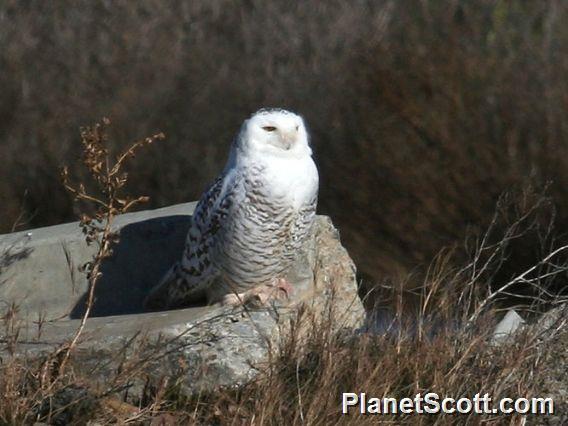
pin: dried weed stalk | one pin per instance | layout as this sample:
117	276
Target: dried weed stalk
110	179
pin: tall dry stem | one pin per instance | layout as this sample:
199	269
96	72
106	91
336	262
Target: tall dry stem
110	179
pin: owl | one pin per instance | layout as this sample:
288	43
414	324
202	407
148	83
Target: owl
249	225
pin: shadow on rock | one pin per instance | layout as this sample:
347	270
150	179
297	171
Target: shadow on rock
146	250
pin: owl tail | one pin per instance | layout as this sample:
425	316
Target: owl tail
159	296
175	291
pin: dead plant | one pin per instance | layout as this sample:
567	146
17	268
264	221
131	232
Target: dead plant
110	179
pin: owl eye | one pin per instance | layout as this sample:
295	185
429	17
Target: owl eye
269	128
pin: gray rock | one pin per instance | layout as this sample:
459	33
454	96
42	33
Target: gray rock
39	269
507	327
204	346
552	378
553	320
70	405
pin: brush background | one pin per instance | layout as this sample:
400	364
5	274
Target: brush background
421	112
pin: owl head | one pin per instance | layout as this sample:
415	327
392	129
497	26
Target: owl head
274	132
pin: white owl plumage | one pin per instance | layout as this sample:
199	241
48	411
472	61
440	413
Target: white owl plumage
248	226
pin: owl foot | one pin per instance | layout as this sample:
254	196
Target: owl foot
233	299
278	288
283	285
260	295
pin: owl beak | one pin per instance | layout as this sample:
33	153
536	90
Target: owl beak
289	138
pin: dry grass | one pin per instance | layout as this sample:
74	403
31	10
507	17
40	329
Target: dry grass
32	386
432	338
304	381
305	386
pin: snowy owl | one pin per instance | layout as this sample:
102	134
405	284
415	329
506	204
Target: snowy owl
249	225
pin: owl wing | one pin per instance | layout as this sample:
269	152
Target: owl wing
187	279
208	218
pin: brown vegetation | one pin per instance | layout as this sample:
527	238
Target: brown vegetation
422	114
33	385
443	343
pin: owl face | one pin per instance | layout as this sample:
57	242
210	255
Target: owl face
277	132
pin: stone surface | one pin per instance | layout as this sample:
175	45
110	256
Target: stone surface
553	320
552	380
39	269
507	327
210	346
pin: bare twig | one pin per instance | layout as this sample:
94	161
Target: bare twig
109	178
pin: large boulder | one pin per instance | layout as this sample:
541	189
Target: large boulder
205	346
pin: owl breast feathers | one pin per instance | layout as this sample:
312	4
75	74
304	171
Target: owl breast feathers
249	225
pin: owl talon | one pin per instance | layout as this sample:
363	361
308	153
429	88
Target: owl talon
275	290
233	299
284	285
260	295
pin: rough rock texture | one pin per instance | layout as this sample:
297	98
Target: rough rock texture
553	380
229	346
507	327
206	347
39	269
